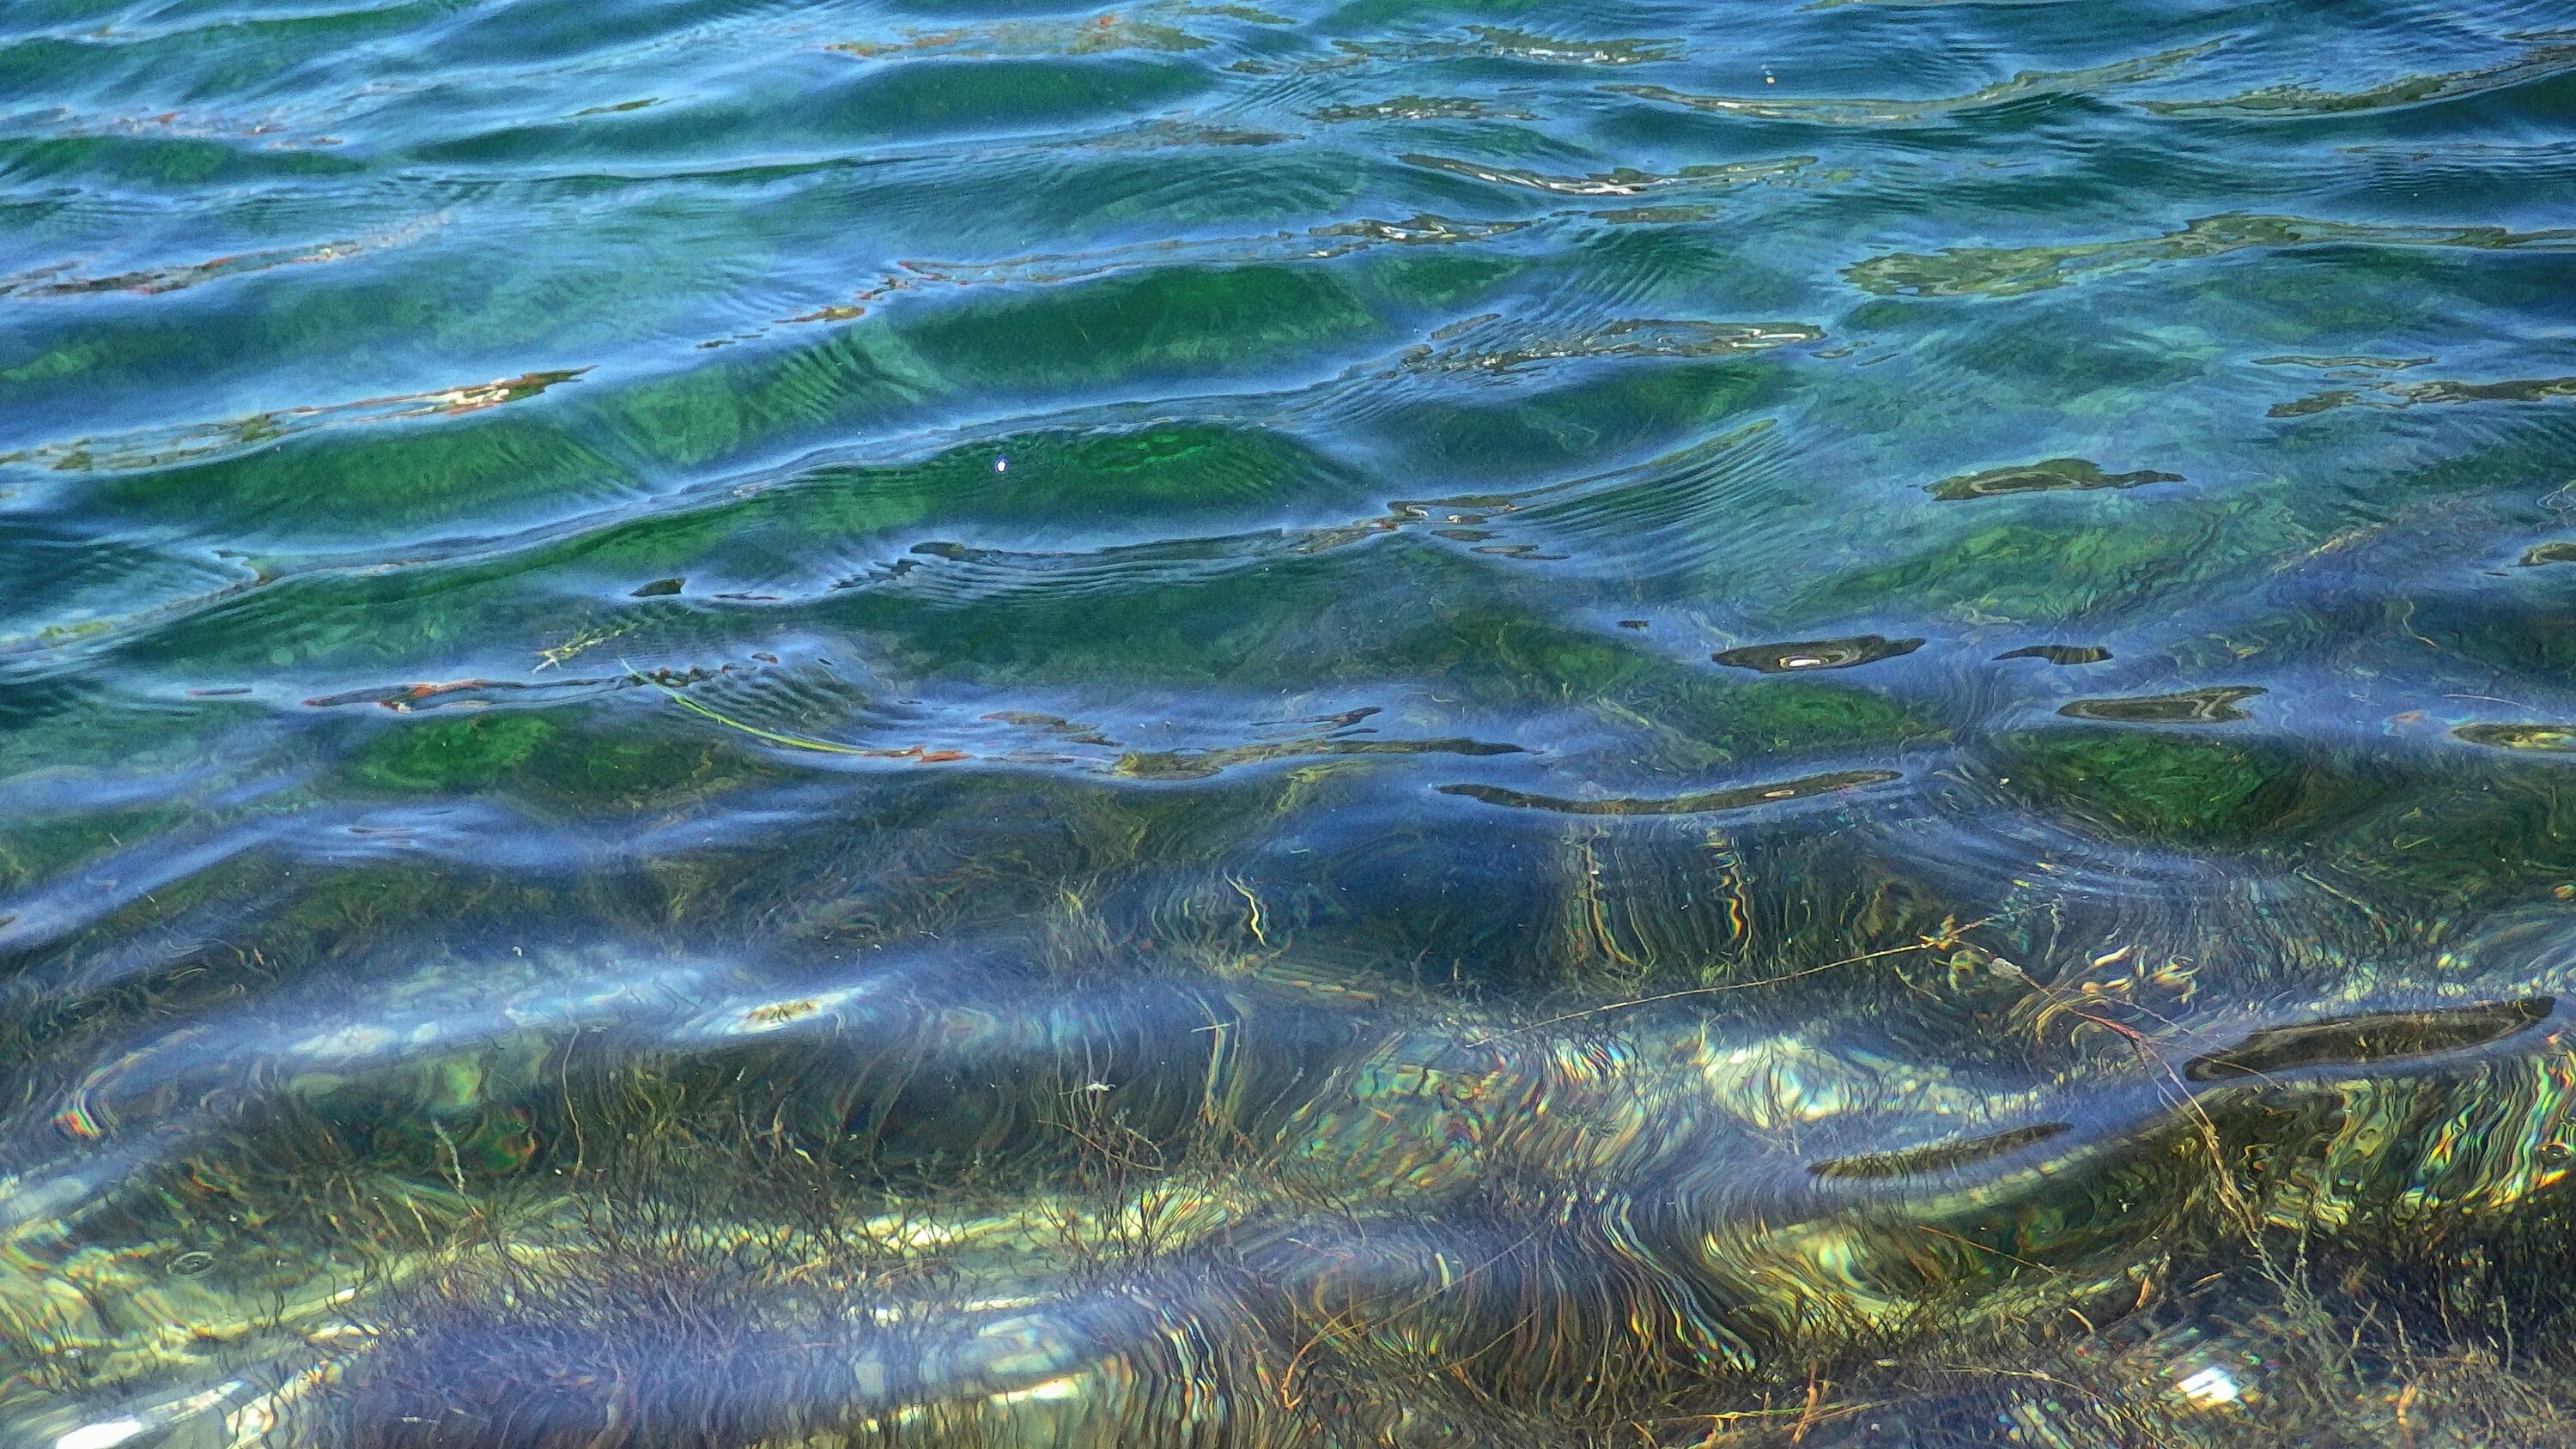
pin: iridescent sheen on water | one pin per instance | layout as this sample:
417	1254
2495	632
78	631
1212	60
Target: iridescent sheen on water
744	724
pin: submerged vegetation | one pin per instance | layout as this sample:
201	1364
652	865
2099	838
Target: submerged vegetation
1286	726
1147	1165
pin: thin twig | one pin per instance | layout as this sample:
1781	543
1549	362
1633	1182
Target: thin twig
793	742
1923	945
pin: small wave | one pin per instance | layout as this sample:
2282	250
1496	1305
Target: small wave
2015	271
1319	243
1419	108
152	281
1101	34
1841	111
201	442
1619	181
1629	337
1495	42
2292	101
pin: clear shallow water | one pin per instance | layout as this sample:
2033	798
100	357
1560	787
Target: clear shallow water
777	724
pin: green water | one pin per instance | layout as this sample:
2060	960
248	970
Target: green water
737	723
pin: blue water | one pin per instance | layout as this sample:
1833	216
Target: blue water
1276	723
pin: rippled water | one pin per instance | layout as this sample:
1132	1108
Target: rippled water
1286	723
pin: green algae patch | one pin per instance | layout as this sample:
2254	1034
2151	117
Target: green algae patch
934	96
2176	789
34	849
1784	716
423	473
1173	320
700	415
1504	659
1072	480
1191	319
1586	419
556	759
2047	566
472	753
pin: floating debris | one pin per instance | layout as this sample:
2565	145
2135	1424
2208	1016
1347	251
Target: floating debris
2547	738
1199	764
1816	653
2049	475
2383	394
1938	1156
1741	797
2214	704
2058	653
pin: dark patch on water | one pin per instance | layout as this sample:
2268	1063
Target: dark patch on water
2370	1038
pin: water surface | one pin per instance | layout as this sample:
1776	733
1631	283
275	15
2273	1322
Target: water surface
728	722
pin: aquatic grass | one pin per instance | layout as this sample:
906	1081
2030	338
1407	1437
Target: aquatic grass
1432	727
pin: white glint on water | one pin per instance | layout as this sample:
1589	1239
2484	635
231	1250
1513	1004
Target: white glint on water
2209	1388
102	1435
